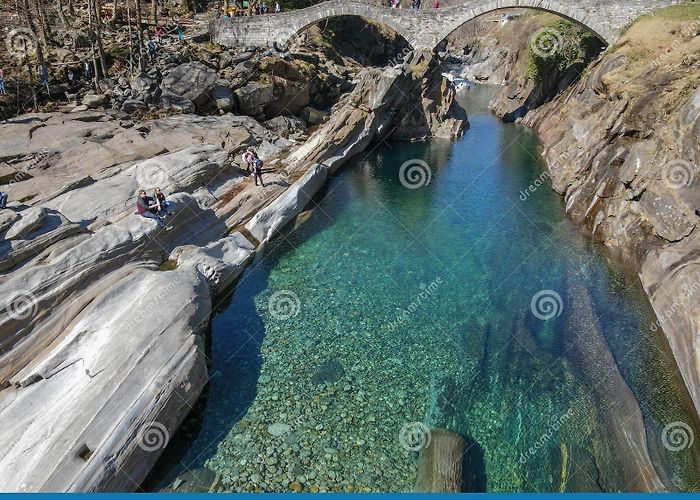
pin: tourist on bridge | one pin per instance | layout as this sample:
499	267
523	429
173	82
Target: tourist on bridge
146	207
2	83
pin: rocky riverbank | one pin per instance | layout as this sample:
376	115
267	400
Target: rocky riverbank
622	146
106	312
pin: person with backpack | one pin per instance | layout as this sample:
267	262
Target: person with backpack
248	157
257	171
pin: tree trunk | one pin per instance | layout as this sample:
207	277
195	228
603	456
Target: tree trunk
139	35
71	9
62	15
43	23
98	37
154	12
440	463
28	18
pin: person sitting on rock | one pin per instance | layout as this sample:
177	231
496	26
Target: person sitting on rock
162	203
145	208
257	171
3	199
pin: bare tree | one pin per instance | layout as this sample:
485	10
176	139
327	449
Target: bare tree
61	14
139	34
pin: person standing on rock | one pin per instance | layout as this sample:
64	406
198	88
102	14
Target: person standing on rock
87	71
3	199
180	31
278	8
2	83
436	4
144	205
257	171
248	158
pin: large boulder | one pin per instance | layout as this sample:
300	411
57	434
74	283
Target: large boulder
193	81
288	97
174	102
253	98
223	97
286	126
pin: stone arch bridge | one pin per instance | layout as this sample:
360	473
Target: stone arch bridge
426	28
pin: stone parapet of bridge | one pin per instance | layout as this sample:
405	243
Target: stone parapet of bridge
426	28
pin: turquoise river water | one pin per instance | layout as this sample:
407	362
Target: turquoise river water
470	303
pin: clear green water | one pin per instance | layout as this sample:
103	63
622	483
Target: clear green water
414	306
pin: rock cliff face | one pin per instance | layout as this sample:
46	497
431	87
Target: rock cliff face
623	146
101	331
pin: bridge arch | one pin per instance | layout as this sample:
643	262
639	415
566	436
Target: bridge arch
567	11
425	29
332	9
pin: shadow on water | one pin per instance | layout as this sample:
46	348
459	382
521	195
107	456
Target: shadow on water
473	467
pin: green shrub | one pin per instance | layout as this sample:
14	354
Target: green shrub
559	45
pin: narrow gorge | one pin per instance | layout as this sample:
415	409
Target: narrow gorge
495	241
